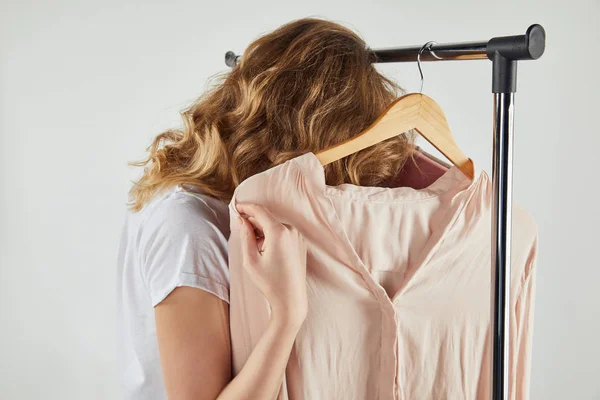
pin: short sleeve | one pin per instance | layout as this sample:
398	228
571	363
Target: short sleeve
183	242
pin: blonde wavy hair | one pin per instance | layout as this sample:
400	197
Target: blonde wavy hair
305	86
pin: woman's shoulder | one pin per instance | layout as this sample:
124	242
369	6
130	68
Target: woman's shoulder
185	208
182	241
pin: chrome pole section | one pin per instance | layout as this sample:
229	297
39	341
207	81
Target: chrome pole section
437	52
501	240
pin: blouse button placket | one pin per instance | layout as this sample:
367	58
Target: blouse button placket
389	349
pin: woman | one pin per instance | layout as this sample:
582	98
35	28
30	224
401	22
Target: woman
307	85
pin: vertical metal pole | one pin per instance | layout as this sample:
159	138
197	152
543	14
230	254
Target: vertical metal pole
501	241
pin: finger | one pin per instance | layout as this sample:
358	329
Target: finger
248	241
260	217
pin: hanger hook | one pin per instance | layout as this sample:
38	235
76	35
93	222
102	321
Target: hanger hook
428	47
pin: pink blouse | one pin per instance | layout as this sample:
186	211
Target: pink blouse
398	284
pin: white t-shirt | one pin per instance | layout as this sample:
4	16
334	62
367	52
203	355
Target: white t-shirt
178	239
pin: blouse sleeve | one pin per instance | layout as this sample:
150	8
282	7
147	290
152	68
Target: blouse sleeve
522	331
183	243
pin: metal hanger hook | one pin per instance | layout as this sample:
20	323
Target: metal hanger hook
428	47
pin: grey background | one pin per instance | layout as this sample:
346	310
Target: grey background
84	86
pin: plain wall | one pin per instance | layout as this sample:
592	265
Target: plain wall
84	86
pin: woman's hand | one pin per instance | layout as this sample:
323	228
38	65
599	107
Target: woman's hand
274	255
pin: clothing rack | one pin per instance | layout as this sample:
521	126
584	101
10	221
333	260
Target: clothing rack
503	52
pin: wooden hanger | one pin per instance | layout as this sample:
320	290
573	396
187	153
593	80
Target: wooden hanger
412	111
